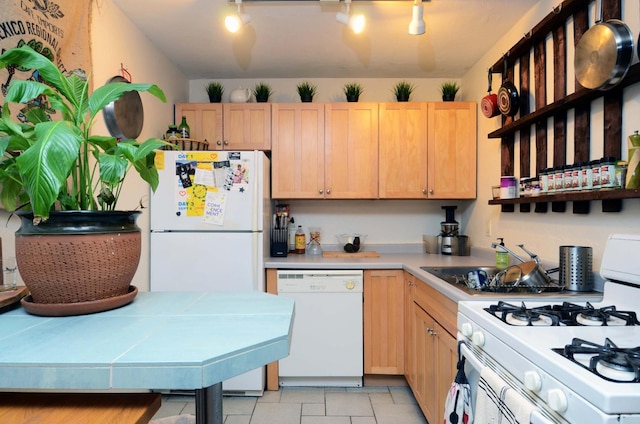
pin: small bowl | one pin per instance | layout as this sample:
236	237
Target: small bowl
351	243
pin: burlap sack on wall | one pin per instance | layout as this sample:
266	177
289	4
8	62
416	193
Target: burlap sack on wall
58	29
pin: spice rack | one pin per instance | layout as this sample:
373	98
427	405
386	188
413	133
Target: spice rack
554	25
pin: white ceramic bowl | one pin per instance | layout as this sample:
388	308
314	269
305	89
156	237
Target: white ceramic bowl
352	242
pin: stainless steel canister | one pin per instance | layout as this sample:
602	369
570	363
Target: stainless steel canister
576	263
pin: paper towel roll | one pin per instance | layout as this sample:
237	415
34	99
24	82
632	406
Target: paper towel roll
633	171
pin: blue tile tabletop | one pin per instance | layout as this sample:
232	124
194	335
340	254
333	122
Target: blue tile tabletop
162	340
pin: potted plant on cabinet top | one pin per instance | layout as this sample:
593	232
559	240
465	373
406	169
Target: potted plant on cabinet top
214	91
48	163
403	90
306	90
262	92
449	90
352	91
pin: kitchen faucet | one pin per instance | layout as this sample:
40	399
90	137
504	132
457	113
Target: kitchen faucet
506	249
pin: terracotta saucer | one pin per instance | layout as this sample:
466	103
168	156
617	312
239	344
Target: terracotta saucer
78	308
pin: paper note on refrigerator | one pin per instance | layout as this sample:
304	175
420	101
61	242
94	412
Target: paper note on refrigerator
214	208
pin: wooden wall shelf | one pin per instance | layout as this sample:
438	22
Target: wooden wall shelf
571	197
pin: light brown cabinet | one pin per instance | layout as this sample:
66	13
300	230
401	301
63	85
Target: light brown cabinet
430	347
403	150
325	151
384	322
229	126
451	155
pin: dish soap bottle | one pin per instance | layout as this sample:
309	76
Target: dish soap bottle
301	240
183	128
502	257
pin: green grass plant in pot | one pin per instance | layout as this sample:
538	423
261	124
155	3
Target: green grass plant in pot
352	91
449	90
66	181
402	90
262	92
215	90
306	91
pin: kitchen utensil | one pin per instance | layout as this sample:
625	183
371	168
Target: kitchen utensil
449	230
603	54
124	117
489	103
576	268
508	98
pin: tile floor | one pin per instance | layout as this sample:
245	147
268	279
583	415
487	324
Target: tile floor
312	405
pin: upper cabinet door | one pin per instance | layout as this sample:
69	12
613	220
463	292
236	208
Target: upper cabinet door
403	150
247	126
204	119
452	150
297	151
351	150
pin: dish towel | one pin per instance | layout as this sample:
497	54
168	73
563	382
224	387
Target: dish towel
498	403
457	409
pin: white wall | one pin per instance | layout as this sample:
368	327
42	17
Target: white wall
543	233
115	41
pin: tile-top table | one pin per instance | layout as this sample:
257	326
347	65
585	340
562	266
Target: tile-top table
162	340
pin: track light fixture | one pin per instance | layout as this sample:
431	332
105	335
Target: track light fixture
355	22
236	21
417	26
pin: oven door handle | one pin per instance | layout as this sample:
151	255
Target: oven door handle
463	351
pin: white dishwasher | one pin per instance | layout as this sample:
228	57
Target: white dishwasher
326	343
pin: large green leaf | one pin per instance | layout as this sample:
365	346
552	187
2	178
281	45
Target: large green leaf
111	92
30	59
112	168
47	164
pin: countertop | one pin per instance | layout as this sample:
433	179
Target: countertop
411	262
162	340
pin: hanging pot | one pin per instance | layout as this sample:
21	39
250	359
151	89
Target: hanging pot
508	99
489	103
124	117
603	54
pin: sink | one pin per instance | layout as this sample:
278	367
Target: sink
457	277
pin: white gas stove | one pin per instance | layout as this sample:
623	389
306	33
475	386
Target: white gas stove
576	362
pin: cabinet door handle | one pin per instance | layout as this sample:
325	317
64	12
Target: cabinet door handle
431	191
320	191
226	142
424	191
328	191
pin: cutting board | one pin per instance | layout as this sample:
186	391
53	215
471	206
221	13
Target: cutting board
335	254
13	296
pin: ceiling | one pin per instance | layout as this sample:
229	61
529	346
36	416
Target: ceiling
302	39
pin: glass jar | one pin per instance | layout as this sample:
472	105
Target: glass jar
558	179
542	177
608	172
621	174
172	133
585	176
595	174
567	179
551	181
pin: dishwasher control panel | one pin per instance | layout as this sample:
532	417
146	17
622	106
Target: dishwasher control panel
321	281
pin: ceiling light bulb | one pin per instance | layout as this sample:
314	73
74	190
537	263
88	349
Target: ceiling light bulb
355	22
233	23
417	26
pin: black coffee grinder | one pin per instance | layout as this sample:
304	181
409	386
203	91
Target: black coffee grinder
449	230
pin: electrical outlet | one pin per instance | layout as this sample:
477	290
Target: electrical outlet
487	228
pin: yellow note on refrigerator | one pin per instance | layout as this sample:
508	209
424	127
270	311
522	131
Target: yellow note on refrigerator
214	208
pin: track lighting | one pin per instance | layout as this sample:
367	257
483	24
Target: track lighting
355	22
236	21
416	26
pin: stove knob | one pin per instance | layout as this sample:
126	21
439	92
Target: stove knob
557	400
466	329
532	381
478	338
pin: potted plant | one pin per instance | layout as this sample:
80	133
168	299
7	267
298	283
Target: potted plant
306	90
214	91
449	90
51	160
352	91
262	92
403	90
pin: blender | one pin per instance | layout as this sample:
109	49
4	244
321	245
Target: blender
448	230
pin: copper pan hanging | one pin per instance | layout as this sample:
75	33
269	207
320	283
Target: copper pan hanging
603	54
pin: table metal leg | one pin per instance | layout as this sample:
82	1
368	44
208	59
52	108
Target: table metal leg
209	405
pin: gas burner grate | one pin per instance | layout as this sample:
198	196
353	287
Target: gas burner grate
620	365
521	315
588	315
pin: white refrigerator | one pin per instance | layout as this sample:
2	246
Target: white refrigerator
208	218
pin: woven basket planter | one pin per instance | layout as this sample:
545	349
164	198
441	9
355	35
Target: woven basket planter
78	256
